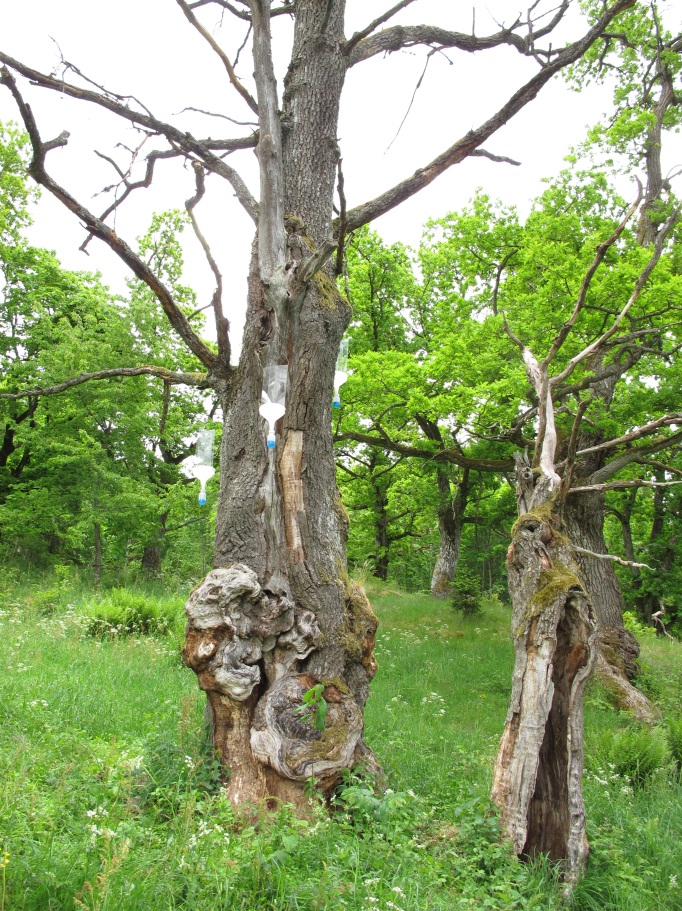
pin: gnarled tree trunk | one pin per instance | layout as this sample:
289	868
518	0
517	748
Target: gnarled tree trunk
278	614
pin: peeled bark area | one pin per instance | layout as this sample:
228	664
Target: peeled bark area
537	780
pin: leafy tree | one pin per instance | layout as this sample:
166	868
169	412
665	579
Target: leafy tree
92	467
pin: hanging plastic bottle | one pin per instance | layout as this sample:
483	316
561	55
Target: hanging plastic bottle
273	398
203	466
341	372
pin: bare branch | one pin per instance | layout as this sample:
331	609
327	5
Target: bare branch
572	446
183	141
646	430
445	455
221	323
239	123
61	140
287	9
482	153
145	182
176	317
475	138
414	95
623	485
365	32
199	380
208	37
342	220
271	233
591	553
315	262
400	36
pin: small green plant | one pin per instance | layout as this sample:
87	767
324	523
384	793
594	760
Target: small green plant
393	813
635	753
636	627
3	866
674	736
314	708
125	612
466	593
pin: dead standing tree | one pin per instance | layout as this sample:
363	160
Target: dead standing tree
277	614
538	773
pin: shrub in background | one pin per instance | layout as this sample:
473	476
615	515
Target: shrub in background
466	593
634	753
125	612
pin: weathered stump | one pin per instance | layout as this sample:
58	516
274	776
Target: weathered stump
537	780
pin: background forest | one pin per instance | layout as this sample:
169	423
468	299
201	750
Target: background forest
434	407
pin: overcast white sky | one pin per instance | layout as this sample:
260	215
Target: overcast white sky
146	48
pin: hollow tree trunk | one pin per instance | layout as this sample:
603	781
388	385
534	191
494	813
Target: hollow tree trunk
278	614
537	779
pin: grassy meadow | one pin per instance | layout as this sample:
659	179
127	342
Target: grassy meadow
111	801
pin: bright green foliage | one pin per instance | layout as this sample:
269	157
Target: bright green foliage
633	754
638	57
314	708
101	458
466	593
122	612
379	284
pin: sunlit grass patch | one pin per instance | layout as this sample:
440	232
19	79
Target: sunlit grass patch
111	798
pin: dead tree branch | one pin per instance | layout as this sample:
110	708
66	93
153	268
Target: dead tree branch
619	560
600	343
225	60
198	380
461	149
355	39
191	147
623	485
221	323
176	317
599	255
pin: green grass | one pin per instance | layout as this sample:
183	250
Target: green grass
110	798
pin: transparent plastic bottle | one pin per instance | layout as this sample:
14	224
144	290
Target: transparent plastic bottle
341	372
203	466
273	398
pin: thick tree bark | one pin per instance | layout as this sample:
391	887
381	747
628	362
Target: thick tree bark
450	526
278	614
